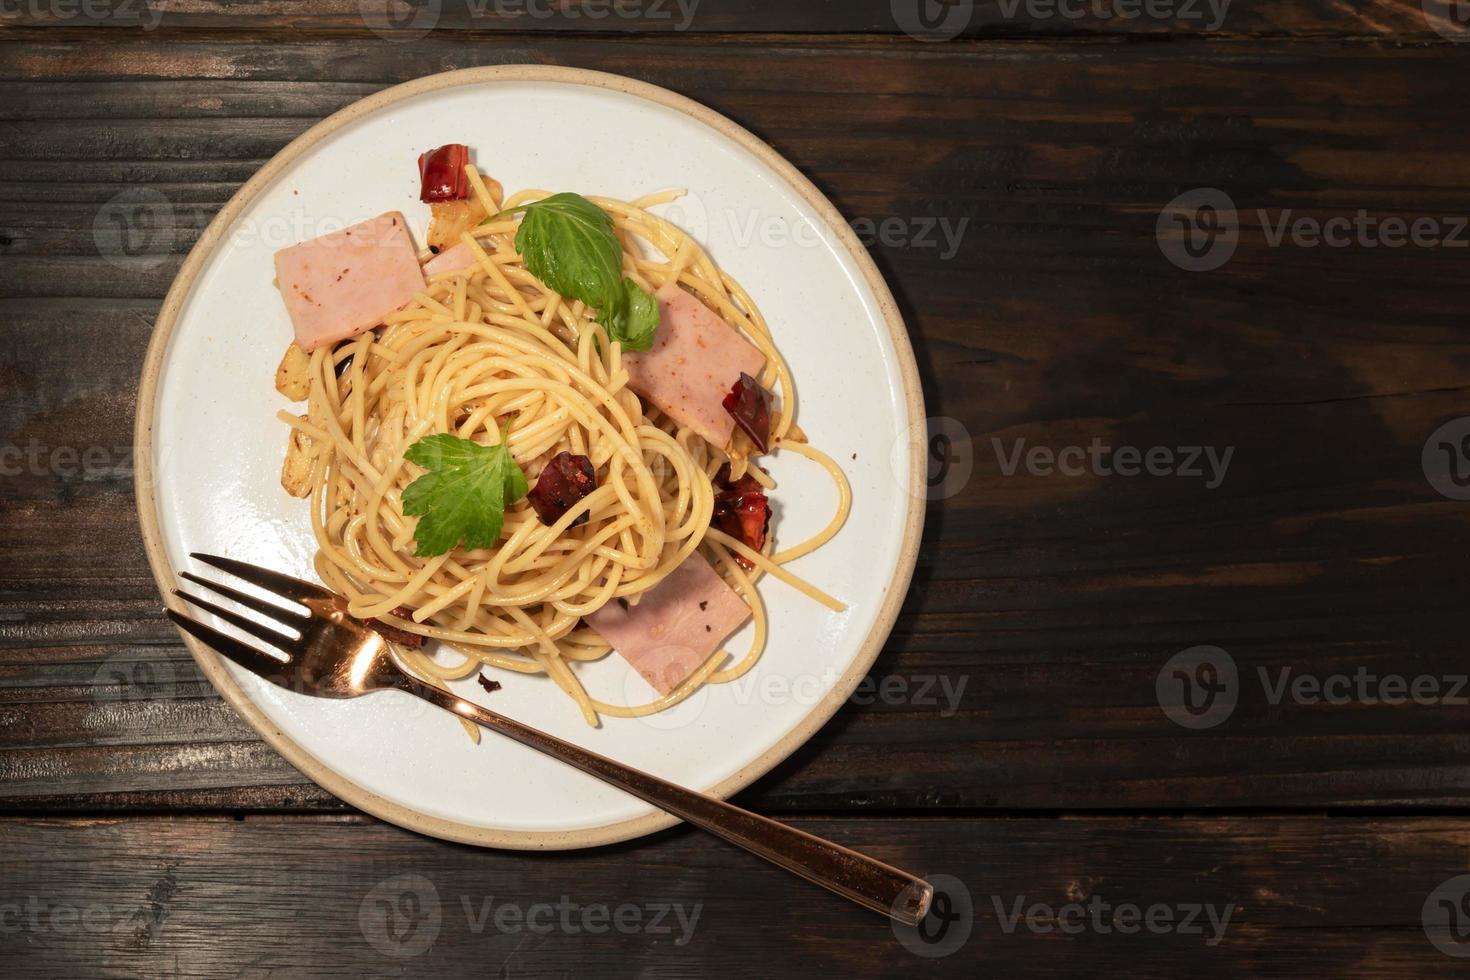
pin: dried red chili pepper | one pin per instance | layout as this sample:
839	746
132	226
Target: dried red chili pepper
750	405
564	481
742	511
442	176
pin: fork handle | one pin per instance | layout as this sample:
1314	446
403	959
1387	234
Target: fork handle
855	876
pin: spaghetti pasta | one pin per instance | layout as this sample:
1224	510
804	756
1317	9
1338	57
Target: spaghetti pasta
490	353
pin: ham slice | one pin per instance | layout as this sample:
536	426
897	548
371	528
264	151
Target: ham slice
675	626
338	285
695	360
450	260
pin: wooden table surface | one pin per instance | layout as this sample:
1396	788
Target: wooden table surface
1289	559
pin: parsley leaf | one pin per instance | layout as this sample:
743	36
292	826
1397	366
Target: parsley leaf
568	243
463	496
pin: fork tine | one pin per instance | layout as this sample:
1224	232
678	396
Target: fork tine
260	605
286	585
251	659
281	641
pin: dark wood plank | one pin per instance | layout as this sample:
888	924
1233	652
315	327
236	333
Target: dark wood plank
311	897
1055	600
928	20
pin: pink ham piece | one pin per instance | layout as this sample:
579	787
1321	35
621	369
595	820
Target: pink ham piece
451	260
695	360
338	285
675	626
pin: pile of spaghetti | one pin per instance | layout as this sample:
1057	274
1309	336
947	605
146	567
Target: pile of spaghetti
491	354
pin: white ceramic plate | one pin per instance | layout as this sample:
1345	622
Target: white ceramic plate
212	448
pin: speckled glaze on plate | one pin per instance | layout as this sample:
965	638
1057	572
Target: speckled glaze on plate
210	447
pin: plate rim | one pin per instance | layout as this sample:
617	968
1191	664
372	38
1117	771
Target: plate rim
298	755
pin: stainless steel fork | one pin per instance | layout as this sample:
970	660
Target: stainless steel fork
327	653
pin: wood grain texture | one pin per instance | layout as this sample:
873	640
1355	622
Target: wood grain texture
264	897
1010	182
1052	317
929	20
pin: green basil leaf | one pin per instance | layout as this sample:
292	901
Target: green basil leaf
636	319
568	243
